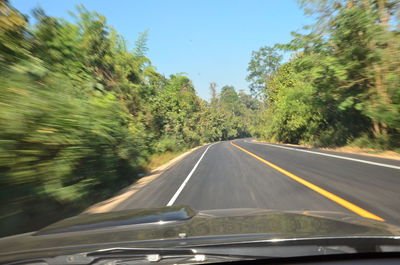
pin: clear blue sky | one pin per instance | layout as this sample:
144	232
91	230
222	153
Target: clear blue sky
210	40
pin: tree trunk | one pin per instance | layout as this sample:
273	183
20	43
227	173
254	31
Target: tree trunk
376	128
380	68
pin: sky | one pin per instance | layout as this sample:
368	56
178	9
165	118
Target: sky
210	40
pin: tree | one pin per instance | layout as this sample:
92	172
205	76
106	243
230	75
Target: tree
213	91
341	82
262	65
229	99
13	39
248	101
57	42
141	44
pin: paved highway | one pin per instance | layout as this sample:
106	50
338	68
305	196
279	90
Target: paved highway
246	174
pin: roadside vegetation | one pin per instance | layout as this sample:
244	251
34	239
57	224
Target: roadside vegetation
340	85
83	112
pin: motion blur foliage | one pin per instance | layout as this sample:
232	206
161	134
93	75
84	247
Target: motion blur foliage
342	83
59	149
81	115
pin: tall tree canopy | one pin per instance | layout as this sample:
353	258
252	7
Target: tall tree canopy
342	83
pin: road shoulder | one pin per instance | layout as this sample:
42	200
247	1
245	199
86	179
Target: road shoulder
110	204
344	150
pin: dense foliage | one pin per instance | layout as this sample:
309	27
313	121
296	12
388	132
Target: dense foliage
82	113
342	82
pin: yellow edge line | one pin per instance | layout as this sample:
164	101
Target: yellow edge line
352	207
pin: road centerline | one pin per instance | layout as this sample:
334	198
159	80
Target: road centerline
329	155
346	204
173	199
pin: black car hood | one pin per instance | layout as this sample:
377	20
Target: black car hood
182	226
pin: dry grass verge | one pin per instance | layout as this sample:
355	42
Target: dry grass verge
365	151
349	150
160	159
158	164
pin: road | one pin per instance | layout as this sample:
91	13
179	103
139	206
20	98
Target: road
246	174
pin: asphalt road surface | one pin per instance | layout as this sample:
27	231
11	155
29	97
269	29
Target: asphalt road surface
245	174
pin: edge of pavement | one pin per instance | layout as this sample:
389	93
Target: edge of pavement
111	203
346	149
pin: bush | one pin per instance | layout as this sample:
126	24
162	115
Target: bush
168	144
61	150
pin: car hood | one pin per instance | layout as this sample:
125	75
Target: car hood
182	226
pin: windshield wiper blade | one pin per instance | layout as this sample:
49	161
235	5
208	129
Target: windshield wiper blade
136	256
186	254
145	254
257	249
158	254
140	251
303	246
161	255
356	241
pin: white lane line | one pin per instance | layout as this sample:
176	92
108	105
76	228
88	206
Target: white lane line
173	199
335	156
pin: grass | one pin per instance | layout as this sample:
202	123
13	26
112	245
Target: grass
366	151
353	148
160	159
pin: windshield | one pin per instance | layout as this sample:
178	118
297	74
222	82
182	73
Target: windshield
274	119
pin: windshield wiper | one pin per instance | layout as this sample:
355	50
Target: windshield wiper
159	255
127	256
185	255
229	251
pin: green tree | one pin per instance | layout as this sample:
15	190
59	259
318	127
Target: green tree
13	40
262	65
141	44
341	82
